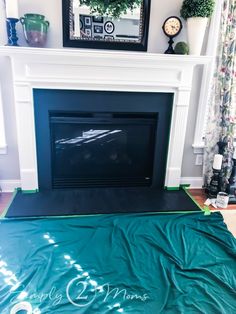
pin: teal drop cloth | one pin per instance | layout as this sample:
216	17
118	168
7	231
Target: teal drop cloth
137	263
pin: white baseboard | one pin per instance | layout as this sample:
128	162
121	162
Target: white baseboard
9	185
195	182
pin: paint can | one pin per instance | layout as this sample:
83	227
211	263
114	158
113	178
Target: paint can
222	200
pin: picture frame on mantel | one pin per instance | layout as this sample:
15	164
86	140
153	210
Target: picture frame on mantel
124	29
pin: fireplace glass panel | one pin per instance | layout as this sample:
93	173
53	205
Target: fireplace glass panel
102	149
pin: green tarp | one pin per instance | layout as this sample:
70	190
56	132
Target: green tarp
131	263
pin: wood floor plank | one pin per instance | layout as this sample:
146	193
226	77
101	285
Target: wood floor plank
4	201
200	197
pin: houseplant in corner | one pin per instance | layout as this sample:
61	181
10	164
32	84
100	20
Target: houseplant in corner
197	14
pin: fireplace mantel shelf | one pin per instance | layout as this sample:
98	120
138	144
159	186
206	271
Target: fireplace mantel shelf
100	54
99	70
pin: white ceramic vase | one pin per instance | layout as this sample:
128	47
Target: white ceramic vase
196	27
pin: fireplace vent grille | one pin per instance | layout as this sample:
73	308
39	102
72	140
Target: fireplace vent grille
88	183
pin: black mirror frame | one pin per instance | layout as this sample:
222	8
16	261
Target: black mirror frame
77	43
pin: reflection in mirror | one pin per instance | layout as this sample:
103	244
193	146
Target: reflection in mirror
103	23
89	25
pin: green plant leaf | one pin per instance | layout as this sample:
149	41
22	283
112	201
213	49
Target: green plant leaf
197	8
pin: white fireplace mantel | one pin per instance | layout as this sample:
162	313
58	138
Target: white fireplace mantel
99	70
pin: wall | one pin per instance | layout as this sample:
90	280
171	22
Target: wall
157	43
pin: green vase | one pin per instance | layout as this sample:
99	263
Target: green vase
35	29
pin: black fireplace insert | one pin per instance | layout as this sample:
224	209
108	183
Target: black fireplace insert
102	149
101	138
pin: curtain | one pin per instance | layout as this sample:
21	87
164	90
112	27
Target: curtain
222	112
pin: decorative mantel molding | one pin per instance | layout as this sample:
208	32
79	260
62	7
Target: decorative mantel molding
99	70
98	54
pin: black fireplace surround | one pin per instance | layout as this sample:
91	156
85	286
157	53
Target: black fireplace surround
101	138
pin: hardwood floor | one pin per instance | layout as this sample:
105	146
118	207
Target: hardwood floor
229	213
200	197
5	199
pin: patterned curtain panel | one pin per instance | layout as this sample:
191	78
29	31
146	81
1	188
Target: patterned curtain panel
222	112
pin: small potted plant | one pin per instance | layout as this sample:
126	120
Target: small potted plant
197	14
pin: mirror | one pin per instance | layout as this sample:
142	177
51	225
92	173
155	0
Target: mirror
106	24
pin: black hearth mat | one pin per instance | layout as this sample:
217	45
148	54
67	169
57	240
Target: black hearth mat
99	201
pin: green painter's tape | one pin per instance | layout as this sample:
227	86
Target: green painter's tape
206	210
30	191
172	188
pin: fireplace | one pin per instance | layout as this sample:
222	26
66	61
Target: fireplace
101	139
110	71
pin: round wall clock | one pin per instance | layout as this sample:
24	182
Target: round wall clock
171	27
